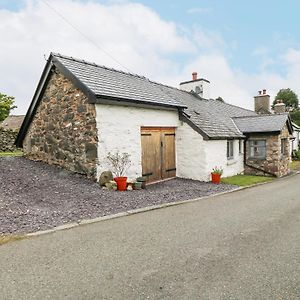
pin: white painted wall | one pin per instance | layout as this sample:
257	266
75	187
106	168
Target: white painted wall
191	155
295	143
197	157
202	84
216	155
119	129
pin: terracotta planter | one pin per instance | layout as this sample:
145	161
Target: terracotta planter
121	183
215	178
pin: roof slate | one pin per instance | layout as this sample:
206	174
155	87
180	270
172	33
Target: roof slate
107	82
212	117
265	123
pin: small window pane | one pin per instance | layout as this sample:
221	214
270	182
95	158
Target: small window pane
240	146
229	149
257	148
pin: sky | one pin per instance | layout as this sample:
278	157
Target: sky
241	47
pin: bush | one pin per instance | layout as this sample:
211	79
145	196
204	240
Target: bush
296	154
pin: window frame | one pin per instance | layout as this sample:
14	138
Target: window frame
230	149
251	144
241	146
283	143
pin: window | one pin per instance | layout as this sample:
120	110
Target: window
257	148
283	147
229	149
241	146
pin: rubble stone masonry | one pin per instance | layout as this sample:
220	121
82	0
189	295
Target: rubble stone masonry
275	162
63	131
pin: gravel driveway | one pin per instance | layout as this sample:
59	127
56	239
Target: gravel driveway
35	196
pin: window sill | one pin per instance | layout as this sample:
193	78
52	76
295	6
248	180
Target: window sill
256	158
231	162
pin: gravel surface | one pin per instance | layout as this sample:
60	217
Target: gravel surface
36	196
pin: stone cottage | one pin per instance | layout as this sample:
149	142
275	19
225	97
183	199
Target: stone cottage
82	111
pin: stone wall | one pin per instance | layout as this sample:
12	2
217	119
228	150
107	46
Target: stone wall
274	163
63	131
7	140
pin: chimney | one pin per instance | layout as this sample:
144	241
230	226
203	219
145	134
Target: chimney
262	102
197	86
279	107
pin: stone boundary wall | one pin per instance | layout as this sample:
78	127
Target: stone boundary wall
63	131
7	140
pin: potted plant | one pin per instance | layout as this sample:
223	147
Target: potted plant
120	162
216	175
143	180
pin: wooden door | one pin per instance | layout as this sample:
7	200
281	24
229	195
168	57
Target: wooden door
168	154
158	153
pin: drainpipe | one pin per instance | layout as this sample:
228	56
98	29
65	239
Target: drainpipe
253	167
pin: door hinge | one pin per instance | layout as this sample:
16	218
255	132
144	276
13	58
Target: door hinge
169	170
147	174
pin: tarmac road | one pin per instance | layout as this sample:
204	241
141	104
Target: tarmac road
241	245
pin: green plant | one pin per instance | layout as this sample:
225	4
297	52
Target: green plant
217	170
289	98
120	162
6	105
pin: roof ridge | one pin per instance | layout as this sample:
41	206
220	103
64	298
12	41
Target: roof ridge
96	65
262	116
115	70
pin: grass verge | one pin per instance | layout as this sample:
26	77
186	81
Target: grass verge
10	238
295	165
15	153
245	180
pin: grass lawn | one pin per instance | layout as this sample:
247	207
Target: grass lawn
295	165
15	153
245	180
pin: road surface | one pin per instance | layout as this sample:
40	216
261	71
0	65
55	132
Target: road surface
242	245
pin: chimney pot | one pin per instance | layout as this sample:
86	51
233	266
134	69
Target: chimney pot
264	91
259	92
194	75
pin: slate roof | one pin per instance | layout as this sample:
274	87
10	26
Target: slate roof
265	123
106	82
213	119
12	122
295	126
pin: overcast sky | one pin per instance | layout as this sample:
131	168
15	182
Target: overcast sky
240	46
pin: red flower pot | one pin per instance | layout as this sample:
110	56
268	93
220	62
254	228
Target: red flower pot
215	178
121	183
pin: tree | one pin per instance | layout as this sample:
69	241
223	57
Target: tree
6	105
289	98
295	116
